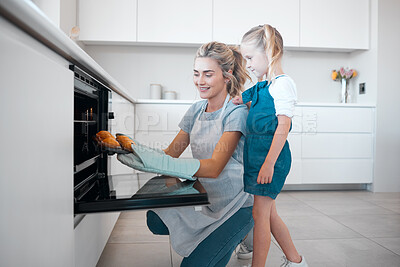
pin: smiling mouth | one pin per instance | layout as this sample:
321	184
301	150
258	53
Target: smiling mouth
203	89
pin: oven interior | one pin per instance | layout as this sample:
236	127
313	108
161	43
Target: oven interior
91	100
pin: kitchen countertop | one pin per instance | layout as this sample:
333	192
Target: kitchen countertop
300	104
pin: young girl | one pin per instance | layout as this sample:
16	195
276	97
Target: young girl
267	156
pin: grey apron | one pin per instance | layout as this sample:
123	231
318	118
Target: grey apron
188	227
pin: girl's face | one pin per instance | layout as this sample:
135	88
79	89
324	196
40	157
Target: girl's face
208	78
257	60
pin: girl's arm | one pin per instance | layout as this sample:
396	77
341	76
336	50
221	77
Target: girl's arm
280	136
178	145
223	151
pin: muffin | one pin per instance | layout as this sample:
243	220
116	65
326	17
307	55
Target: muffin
125	142
103	135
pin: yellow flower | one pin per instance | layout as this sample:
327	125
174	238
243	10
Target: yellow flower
334	75
354	74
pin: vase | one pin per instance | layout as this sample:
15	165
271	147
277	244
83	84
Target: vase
345	91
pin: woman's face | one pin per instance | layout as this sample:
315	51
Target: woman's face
208	78
256	60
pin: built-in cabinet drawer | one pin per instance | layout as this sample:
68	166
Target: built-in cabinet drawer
336	145
337	120
123	122
156	125
159	117
336	171
160	140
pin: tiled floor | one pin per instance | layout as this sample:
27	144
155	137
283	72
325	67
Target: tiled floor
331	228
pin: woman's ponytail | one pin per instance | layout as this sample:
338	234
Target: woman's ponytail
239	73
228	58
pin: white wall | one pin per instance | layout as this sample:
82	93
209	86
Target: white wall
136	67
366	62
387	167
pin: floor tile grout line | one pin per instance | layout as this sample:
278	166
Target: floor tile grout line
365	237
382	245
382	207
335	220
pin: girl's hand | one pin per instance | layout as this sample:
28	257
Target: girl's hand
265	174
237	100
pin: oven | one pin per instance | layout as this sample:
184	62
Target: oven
97	191
91	115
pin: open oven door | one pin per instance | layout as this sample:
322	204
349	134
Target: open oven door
140	191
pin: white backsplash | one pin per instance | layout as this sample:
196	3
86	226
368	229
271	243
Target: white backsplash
136	67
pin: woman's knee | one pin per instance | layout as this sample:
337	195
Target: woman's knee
155	224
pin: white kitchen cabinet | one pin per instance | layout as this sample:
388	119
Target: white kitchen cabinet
36	158
337	171
340	24
337	145
233	18
295	174
107	20
123	122
156	125
159	117
175	21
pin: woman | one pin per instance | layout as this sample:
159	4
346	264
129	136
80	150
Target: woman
214	128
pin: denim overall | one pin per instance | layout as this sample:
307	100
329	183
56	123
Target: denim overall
261	125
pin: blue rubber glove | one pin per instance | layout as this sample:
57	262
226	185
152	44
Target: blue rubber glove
147	159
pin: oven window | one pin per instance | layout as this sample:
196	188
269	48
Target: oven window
85	127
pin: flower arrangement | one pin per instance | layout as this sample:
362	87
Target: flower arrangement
344	76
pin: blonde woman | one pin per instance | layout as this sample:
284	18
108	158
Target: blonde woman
267	156
215	129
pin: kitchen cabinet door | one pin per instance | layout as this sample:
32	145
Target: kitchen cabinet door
340	24
107	20
175	21
36	173
233	18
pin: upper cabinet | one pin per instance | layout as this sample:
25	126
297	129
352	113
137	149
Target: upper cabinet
175	21
233	18
339	24
304	24
107	20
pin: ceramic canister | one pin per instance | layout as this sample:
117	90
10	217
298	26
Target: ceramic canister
170	95
155	91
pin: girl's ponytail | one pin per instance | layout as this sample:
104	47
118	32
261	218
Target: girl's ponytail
268	39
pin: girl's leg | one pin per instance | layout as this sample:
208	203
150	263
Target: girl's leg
262	229
282	236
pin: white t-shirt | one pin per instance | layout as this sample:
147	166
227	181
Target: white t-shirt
284	92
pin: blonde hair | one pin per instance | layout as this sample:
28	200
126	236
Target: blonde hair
269	40
228	58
